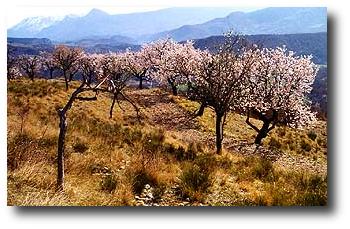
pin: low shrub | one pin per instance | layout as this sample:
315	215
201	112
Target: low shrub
154	140
196	178
274	143
142	177
305	146
80	147
263	169
252	168
109	183
312	135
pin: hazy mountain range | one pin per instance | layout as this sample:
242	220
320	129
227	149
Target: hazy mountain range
178	23
98	23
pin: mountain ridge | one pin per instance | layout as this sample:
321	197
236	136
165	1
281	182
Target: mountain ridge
98	22
274	20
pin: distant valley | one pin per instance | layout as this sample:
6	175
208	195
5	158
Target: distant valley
302	44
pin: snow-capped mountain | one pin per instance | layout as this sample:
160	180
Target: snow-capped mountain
29	27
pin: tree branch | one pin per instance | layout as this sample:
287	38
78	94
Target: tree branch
135	107
250	124
86	98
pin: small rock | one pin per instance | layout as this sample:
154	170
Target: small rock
141	203
150	195
147	186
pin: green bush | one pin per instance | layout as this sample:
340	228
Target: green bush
313	188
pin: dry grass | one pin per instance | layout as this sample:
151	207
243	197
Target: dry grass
109	161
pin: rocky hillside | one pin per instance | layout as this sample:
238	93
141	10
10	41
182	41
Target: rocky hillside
164	157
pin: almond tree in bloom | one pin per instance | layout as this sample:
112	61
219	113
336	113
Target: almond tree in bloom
219	82
89	66
138	65
164	58
180	64
66	59
278	86
48	63
105	74
30	65
13	70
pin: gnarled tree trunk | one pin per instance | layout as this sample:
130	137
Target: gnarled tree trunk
200	111
65	79
262	132
62	135
140	82
173	86
60	152
219	124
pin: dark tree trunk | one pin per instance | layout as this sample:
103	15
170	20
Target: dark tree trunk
219	132
174	89
62	135
65	79
262	132
173	86
200	111
51	73
140	82
71	75
60	151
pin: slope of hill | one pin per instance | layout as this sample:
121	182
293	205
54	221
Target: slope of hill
29	46
165	159
274	20
301	44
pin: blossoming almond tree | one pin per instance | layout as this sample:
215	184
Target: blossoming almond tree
138	65
13	70
164	58
278	86
219	83
48	62
30	65
66	59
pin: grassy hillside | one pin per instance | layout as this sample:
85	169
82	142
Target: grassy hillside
164	158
